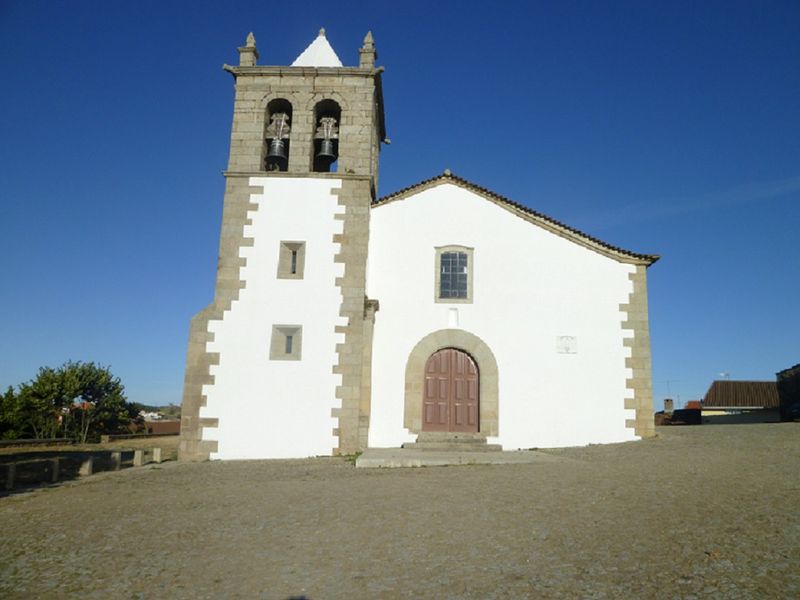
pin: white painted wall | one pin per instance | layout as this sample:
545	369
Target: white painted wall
274	409
530	287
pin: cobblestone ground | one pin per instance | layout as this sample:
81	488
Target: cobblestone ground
699	512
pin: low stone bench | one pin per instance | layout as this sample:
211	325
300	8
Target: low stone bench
70	465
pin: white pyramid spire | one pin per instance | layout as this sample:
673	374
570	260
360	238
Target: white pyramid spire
318	54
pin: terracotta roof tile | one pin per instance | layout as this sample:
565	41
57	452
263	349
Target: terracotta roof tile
742	393
570	232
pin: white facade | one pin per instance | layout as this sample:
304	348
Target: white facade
547	308
268	408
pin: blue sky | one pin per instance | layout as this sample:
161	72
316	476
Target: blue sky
662	127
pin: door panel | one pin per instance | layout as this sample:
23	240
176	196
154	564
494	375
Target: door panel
450	400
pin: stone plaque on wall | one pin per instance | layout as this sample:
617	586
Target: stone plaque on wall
566	344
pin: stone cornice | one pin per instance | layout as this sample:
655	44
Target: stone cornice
283	71
313	175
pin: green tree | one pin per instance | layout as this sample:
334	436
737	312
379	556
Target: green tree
44	403
101	406
9	416
78	399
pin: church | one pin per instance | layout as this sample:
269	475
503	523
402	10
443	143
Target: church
443	312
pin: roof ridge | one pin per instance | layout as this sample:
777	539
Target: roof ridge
744	381
448	176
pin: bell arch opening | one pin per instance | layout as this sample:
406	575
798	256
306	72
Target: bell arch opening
276	135
327	118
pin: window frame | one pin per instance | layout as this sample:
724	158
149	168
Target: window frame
440	250
285	251
279	343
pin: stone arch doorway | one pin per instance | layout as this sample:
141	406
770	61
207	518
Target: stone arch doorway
487	381
450	400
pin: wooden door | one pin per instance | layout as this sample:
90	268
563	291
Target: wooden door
450	401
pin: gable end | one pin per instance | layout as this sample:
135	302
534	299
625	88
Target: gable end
530	215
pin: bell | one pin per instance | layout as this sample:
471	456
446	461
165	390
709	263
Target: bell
277	153
327	152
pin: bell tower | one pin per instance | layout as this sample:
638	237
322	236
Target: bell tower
278	365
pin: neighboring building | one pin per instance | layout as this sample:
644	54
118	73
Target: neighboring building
341	321
789	393
741	402
689	415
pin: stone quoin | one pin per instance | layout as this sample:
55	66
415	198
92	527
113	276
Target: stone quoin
341	321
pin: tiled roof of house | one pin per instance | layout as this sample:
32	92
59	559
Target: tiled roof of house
523	211
763	394
789	370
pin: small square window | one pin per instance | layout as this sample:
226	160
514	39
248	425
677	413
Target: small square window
291	260
286	343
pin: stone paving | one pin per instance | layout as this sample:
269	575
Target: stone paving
698	512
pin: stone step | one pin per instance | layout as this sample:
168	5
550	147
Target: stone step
444	441
445	447
451	438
